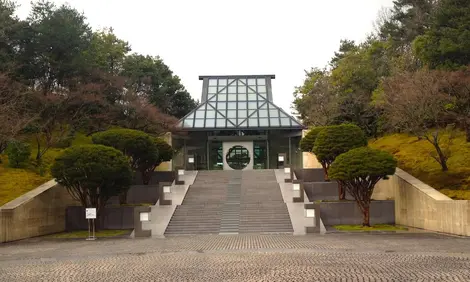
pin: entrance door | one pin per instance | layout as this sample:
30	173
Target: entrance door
238	155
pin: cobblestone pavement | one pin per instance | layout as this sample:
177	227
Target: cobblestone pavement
331	257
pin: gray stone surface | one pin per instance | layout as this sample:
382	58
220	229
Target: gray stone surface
337	213
334	257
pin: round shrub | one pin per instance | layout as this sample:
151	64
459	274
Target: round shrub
359	170
133	143
363	163
165	151
335	140
307	142
18	153
92	173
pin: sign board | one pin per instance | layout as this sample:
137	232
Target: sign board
144	216
191	160
281	158
90	213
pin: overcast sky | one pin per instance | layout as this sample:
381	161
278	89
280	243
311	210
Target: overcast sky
210	37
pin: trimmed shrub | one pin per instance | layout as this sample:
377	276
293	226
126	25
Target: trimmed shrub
308	141
359	170
92	174
18	153
335	140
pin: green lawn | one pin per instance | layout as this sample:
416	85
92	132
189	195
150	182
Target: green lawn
377	227
14	182
84	234
414	156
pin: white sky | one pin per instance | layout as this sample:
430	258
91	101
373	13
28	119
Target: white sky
212	37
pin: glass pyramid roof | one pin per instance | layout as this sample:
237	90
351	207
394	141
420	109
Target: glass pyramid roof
238	103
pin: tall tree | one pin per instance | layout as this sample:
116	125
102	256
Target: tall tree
151	77
107	52
10	27
53	46
446	44
409	19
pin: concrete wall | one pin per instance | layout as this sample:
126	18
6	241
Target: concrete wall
36	213
310	161
419	205
328	191
310	174
111	218
338	213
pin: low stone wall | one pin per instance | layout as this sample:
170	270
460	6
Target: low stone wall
328	191
339	213
157	177
139	194
36	213
419	205
310	174
111	218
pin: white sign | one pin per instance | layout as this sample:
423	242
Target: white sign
144	216
309	213
191	160
287	170
90	213
281	158
166	189
180	171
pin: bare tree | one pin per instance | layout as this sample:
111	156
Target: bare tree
416	104
14	113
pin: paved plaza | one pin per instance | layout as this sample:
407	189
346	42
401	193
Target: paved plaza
330	257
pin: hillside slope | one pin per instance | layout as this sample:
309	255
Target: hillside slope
414	156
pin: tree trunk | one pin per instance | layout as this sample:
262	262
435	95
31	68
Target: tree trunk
467	132
146	177
123	197
325	170
341	191
442	157
366	217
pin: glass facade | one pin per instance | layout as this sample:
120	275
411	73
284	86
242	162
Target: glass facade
238	108
238	103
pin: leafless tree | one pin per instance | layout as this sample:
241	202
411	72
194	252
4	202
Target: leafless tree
415	103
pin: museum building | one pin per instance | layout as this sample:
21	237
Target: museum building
237	126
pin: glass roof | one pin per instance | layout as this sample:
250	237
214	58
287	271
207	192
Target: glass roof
238	103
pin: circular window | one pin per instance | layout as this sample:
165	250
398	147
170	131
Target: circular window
238	157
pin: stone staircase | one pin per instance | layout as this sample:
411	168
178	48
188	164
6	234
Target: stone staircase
232	202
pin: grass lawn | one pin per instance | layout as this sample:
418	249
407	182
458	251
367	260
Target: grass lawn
14	182
377	227
84	234
414	156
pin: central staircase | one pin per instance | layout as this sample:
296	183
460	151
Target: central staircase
232	202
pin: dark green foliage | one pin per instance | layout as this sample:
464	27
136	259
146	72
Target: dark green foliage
336	140
165	151
307	142
446	44
359	170
362	163
92	173
153	78
18	153
144	152
137	145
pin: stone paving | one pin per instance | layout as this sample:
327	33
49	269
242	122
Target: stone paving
331	257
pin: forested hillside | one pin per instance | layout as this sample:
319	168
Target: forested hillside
61	81
410	76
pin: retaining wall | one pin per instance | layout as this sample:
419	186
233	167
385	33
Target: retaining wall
419	205
39	212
